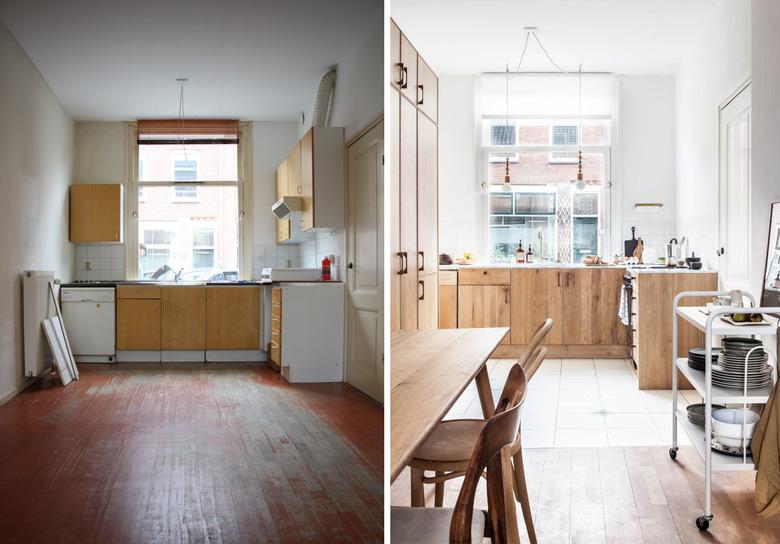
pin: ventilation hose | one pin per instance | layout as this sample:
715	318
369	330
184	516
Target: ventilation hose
322	100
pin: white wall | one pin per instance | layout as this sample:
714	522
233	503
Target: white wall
717	62
460	198
646	165
36	154
765	68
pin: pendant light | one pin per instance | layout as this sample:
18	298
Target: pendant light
579	183
507	186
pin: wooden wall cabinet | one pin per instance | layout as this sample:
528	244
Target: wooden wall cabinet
428	90
183	311
96	213
233	317
448	299
138	318
282	225
413	193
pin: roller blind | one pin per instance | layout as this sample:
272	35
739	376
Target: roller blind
171	131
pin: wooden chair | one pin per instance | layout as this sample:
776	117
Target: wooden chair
447	450
536	340
464	524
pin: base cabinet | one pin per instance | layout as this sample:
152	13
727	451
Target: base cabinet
183	314
138	318
233	317
448	299
536	295
483	306
428	302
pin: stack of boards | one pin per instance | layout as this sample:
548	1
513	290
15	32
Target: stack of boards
59	343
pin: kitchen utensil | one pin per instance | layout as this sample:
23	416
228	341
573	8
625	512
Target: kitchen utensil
630	245
696	413
639	250
729	445
727	422
696	265
445	259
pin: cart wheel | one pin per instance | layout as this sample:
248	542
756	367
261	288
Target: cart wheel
702	523
673	454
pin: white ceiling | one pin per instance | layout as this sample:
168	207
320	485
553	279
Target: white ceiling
246	59
622	36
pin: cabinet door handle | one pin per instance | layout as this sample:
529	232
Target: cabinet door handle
405	78
559	278
422	284
406	262
421	261
400	262
506	295
420	95
401	72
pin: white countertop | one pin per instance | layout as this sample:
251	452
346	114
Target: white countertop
634	270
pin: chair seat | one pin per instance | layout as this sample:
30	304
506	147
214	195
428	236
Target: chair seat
429	525
450	441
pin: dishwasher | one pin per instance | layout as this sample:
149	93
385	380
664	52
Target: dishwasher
89	319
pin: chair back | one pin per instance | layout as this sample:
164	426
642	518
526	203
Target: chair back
540	334
533	363
499	432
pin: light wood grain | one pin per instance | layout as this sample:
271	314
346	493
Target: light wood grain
428	303
409	288
483	306
483	276
428	99
306	182
137	291
183	318
395	54
96	213
536	295
282	225
429	372
138	324
579	310
233	317
448	299
655	295
394	223
427	195
409	61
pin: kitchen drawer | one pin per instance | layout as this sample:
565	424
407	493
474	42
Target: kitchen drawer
483	276
137	291
276	353
448	277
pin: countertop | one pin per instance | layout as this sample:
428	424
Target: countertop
240	283
634	269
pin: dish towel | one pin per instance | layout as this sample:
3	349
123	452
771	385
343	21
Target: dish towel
623	311
766	453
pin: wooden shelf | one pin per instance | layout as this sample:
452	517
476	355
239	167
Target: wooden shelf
695	316
720	461
722	395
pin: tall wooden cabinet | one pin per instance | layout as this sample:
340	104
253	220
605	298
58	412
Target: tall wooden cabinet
414	189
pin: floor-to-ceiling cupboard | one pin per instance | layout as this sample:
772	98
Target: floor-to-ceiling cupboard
414	187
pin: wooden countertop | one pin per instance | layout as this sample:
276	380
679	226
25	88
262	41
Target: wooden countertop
429	371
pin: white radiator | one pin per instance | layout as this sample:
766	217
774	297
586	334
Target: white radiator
36	306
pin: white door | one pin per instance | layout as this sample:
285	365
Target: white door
734	188
365	277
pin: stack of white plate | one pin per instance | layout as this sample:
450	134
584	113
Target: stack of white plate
730	370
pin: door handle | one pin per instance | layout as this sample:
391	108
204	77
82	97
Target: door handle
405	78
422	284
350	266
720	252
401	72
420	95
421	261
559	278
400	255
406	262
506	295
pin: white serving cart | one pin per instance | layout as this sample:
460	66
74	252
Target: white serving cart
708	320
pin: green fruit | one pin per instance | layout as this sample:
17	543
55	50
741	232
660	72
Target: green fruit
740	318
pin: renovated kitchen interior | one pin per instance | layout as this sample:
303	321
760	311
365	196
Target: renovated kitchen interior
192	335
580	209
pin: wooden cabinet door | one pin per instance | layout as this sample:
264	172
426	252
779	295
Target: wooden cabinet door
606	327
138	324
428	90
96	213
536	295
428	301
293	161
183	317
233	317
484	306
427	196
448	299
396	68
578	306
408	213
306	179
409	67
282	225
394	223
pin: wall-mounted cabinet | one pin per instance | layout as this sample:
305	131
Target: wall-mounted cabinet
96	213
314	171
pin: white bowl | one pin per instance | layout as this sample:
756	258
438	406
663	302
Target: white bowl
728	422
730	441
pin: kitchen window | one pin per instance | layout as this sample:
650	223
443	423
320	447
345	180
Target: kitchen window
189	181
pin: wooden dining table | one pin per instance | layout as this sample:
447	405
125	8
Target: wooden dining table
429	371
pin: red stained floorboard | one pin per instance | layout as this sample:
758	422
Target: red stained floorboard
198	454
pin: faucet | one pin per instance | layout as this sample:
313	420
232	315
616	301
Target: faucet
177	276
541	245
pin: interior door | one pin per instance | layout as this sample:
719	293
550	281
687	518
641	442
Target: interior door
365	276
734	188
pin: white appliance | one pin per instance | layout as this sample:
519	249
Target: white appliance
285	207
36	307
312	332
278	274
88	313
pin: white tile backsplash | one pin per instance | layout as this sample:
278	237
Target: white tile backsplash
100	262
305	255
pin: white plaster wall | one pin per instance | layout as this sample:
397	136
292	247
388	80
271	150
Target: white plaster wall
716	63
765	40
36	154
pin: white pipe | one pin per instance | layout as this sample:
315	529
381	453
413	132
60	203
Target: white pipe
322	99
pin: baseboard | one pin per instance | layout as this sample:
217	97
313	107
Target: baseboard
513	351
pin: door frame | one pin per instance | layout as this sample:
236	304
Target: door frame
744	85
373	124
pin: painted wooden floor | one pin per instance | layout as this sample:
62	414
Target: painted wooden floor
625	495
221	456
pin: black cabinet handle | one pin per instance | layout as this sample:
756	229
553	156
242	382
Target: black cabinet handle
422	284
720	252
420	95
405	78
406	262
401	263
400	80
420	261
350	266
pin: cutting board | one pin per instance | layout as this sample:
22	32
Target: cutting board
630	245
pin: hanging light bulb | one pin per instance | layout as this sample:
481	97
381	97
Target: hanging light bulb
507	187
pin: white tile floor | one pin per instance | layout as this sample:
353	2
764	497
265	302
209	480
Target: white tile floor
585	403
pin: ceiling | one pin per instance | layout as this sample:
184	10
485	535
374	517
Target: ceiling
622	36
246	59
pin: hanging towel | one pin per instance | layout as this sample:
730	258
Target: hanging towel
623	311
766	453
